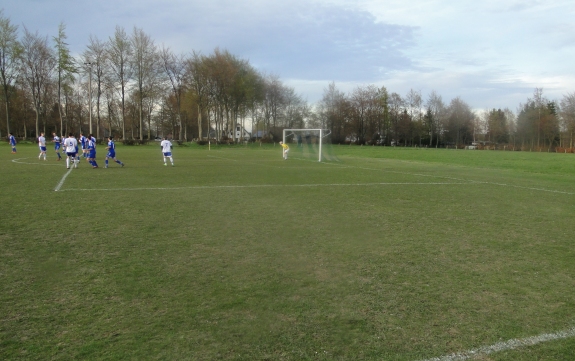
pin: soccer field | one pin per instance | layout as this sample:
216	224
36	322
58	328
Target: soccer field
377	253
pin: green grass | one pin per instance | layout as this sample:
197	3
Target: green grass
234	254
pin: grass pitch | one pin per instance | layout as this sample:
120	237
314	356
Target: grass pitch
235	254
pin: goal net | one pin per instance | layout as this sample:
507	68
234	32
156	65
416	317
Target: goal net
308	143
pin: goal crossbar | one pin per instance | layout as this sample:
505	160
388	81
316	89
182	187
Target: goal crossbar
320	138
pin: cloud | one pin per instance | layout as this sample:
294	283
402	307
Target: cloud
306	40
489	53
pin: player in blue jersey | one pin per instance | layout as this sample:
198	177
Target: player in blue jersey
12	141
71	148
111	148
56	141
83	145
42	146
166	146
91	146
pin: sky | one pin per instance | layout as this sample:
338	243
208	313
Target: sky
491	53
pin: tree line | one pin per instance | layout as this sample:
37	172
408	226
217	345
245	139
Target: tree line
130	87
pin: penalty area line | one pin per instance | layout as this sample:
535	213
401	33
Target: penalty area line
261	186
506	346
61	183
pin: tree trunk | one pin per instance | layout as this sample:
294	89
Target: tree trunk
7	114
199	122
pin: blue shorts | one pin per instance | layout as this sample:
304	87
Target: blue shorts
92	154
43	149
111	155
167	154
57	146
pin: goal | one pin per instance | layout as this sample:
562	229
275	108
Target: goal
309	142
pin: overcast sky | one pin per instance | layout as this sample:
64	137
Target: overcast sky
491	53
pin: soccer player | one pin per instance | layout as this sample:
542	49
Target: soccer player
83	145
112	152
12	141
285	149
166	146
56	141
91	146
42	146
71	145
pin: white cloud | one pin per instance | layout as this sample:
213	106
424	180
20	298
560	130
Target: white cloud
491	53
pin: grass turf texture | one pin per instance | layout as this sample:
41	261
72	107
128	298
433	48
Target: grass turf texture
236	254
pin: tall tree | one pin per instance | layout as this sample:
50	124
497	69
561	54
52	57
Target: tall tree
145	67
413	103
497	128
197	80
396	110
536	119
119	58
460	122
174	67
568	115
38	64
65	66
95	55
332	108
10	51
436	109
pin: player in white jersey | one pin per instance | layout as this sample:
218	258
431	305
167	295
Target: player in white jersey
166	146
71	148
42	146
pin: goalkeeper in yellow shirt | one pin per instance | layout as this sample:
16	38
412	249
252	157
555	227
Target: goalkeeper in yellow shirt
285	149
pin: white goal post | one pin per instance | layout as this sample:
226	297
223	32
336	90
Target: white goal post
322	133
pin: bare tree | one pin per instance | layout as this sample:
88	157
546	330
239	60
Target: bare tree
568	115
65	66
145	67
413	102
10	51
273	102
396	110
174	67
119	56
460	122
332	112
38	64
95	56
197	80
436	109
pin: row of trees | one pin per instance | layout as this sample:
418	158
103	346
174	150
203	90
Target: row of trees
371	114
128	86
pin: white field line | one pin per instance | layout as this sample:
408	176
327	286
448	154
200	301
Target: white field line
261	164
63	179
529	188
506	346
40	162
213	156
458	181
265	186
462	180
